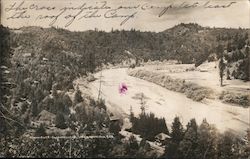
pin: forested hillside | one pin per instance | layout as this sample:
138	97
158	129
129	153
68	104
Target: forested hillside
187	43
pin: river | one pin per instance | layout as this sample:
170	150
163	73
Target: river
165	103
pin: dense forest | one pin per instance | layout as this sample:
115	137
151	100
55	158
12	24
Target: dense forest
203	141
190	141
187	43
38	67
35	101
193	141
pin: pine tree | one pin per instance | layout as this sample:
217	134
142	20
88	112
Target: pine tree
219	50
228	75
67	101
142	103
226	146
132	146
172	146
177	131
189	143
220	55
207	141
115	128
34	108
229	47
132	116
244	148
60	121
91	60
222	67
163	126
192	124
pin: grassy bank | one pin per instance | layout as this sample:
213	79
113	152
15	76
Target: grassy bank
191	90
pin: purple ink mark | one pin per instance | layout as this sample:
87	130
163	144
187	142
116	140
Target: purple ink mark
123	88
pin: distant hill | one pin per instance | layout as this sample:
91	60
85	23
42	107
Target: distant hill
187	43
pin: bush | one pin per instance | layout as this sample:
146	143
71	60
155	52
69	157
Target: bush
197	95
191	90
241	99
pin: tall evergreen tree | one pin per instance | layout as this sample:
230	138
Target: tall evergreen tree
177	131
132	146
60	121
207	141
222	67
226	146
192	124
131	116
189	143
176	134
34	108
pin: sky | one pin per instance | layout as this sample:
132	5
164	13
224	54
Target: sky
144	15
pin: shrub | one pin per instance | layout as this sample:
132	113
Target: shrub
191	90
241	99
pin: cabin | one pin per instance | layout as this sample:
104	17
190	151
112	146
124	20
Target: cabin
114	118
6	72
162	138
4	67
27	55
17	31
45	59
115	124
46	117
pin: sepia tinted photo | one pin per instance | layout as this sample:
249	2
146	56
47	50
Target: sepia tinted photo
125	79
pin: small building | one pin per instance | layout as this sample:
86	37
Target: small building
45	59
129	62
114	118
115	124
36	82
46	117
6	72
162	138
27	55
34	124
17	31
3	67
